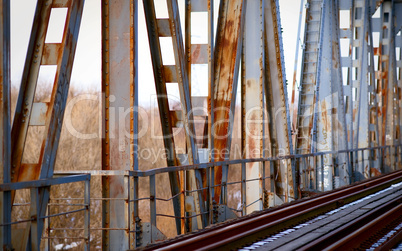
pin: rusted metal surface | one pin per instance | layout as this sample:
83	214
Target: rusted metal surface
309	80
387	79
195	178
200	54
277	106
28	85
330	126
55	110
181	66
295	97
330	116
119	85
163	104
252	100
226	68
363	127
5	122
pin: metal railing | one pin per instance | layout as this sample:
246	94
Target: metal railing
37	216
359	160
388	158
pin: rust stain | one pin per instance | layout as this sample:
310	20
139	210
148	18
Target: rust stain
225	59
354	114
376	51
374	172
334	56
29	172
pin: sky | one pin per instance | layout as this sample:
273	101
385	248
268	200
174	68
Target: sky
86	74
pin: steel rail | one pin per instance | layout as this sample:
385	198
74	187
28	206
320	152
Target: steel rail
351	235
250	228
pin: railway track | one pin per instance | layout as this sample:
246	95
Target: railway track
366	215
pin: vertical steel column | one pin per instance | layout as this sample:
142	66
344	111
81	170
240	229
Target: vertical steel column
330	112
226	69
346	62
252	99
398	64
387	75
5	123
275	87
340	127
119	86
360	99
200	54
386	120
375	159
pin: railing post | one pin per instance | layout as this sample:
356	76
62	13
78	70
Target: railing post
87	216
152	202
137	227
322	172
243	188
224	191
208	193
263	183
127	212
35	220
272	175
363	162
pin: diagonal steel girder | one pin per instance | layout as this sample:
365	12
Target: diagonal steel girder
226	68
252	71
362	98
321	114
275	87
330	128
170	27
41	53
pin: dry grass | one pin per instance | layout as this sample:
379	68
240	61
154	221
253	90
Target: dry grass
85	154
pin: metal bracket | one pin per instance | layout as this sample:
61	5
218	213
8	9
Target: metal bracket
148	234
223	213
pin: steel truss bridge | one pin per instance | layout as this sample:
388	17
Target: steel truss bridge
340	122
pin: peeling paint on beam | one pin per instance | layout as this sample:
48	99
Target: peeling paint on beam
226	68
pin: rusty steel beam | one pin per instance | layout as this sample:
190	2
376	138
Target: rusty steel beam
331	125
365	129
38	55
198	54
252	100
195	177
226	69
177	73
176	186
120	118
5	123
277	106
387	79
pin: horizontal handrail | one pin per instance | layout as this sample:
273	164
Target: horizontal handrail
44	182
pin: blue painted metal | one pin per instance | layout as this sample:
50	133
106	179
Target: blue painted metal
5	123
